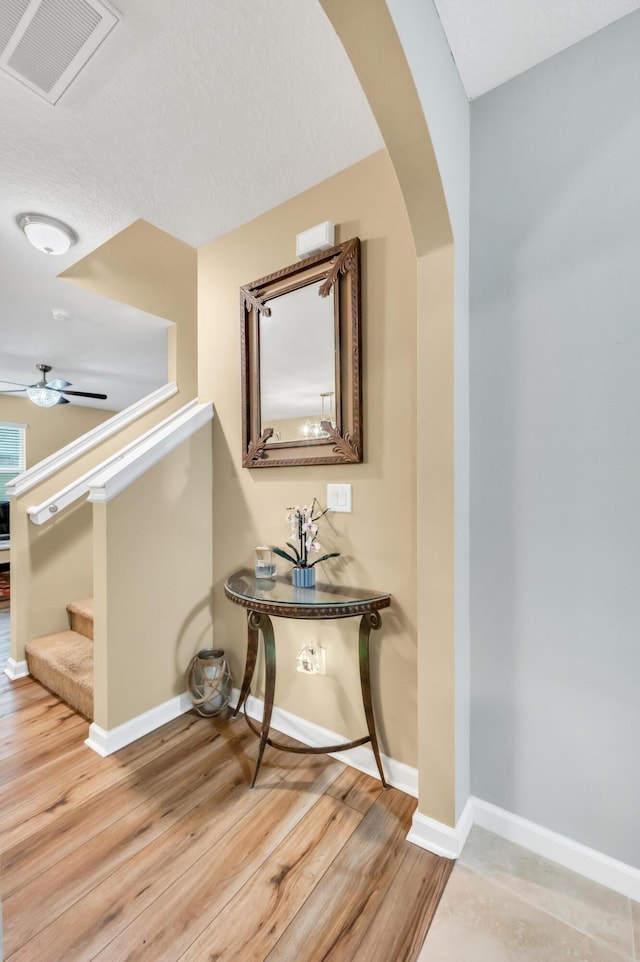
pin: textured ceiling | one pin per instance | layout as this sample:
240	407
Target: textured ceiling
194	116
495	40
198	116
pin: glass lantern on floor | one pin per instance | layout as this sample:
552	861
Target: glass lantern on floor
209	681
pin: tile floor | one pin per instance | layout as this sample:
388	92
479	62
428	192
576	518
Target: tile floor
505	904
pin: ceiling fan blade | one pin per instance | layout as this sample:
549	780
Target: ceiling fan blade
18	391
100	397
61	400
19	383
58	384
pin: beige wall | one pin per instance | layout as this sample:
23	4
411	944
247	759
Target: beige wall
436	656
49	428
290	429
377	541
152	564
386	79
58	553
147	268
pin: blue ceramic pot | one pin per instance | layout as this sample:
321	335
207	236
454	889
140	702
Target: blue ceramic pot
303	577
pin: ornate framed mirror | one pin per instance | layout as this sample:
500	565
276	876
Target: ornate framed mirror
301	367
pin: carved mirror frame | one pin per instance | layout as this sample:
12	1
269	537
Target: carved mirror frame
338	271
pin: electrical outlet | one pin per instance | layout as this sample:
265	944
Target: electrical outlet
312	660
322	656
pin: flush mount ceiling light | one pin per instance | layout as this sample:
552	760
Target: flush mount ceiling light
47	234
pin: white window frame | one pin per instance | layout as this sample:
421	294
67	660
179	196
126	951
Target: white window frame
6	476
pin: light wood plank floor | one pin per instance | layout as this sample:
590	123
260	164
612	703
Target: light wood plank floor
162	853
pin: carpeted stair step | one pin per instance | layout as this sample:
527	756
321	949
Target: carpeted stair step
81	617
63	663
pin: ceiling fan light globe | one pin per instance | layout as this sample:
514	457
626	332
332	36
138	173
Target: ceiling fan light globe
42	396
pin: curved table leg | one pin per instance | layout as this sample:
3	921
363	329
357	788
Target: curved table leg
250	663
370	620
263	622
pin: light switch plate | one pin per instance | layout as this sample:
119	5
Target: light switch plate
339	497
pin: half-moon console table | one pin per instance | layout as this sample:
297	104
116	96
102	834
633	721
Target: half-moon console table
266	598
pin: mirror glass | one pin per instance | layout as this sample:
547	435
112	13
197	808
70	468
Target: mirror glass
301	371
298	365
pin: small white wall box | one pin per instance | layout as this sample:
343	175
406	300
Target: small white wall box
316	239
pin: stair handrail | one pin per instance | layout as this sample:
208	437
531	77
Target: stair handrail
122	467
106	484
86	442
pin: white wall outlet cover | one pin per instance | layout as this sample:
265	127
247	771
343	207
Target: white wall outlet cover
322	655
312	660
339	497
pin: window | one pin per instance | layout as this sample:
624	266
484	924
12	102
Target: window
11	454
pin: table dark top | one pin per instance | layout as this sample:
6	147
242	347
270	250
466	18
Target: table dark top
277	596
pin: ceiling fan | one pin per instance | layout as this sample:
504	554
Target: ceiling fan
48	393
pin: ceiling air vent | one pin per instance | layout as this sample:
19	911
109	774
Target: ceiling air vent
46	43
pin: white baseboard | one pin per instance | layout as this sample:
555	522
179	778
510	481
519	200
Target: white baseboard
16	669
439	838
449	842
107	742
426	832
578	858
398	774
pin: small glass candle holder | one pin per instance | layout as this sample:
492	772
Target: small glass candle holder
265	566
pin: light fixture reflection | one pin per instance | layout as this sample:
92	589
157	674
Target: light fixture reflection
311	430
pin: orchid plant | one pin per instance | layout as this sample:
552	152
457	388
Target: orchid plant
304	528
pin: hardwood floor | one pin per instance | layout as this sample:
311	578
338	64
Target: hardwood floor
5	636
162	853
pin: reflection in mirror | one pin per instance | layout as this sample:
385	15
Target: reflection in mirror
298	364
301	376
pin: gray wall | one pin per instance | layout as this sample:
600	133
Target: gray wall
446	109
555	452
